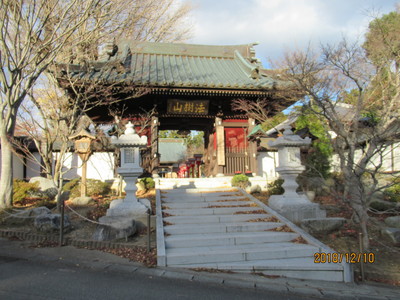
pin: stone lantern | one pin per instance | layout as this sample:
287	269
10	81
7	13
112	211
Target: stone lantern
292	205
129	144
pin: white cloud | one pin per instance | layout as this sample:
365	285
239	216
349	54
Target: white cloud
280	24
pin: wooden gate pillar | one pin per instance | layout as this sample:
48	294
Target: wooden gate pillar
219	128
252	148
155	155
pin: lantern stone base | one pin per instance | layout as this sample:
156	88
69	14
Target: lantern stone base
128	208
112	228
296	208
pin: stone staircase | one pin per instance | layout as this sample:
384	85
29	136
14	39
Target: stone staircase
228	229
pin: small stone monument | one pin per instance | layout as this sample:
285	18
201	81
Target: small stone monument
119	221
292	205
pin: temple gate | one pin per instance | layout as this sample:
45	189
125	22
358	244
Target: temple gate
186	87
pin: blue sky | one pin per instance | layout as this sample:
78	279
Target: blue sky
280	25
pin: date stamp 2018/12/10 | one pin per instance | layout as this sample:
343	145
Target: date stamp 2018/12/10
351	258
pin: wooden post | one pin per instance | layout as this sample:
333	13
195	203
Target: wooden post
220	145
252	148
84	175
155	159
207	152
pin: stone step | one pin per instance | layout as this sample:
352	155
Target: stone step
219	228
214	218
298	267
232	238
200	190
191	199
209	211
206	204
204	192
199	235
249	252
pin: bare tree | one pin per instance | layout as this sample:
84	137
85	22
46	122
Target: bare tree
327	79
258	110
35	33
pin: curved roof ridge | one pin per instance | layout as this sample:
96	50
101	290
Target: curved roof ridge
251	69
224	51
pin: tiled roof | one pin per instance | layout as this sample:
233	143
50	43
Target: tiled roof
257	130
166	65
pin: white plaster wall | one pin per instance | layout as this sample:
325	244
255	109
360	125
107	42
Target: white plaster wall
396	160
99	166
390	159
18	167
267	162
70	165
33	166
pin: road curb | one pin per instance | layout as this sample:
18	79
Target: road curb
106	262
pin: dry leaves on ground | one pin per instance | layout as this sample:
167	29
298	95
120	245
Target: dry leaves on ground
138	254
283	228
226	206
269	219
299	240
258	212
210	270
233	200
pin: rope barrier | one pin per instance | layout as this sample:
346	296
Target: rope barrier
18	215
21	215
83	217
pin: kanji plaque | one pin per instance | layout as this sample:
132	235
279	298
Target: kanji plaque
199	107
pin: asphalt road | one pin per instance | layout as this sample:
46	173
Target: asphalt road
23	279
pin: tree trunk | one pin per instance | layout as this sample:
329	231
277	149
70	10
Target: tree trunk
6	181
358	204
364	231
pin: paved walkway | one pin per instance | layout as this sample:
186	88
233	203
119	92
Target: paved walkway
101	261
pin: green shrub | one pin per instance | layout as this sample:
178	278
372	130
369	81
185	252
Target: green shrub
97	187
275	187
50	204
241	181
69	186
23	190
93	187
392	193
147	183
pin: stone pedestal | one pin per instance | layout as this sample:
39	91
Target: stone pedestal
296	209
114	228
128	208
292	205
